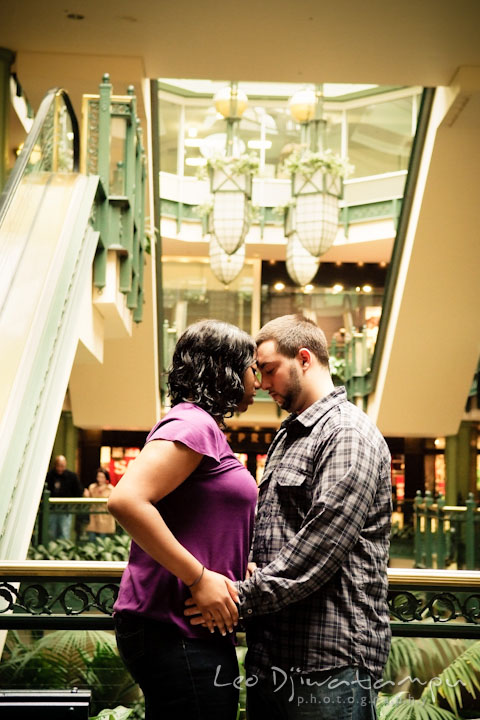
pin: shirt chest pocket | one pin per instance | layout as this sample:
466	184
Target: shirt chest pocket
294	487
290	477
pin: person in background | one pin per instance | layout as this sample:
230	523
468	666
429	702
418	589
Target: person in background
189	505
100	524
315	609
61	483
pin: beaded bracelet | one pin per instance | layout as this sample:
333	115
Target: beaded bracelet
197	580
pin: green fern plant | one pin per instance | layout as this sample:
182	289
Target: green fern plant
402	707
412	662
62	659
459	683
431	679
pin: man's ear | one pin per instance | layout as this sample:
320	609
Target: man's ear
304	356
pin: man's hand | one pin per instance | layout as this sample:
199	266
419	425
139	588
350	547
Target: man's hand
213	600
251	567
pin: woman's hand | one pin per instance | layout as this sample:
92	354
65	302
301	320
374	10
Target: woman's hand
251	567
214	598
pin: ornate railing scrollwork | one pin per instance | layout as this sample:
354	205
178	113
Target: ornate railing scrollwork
63	594
441	607
74	599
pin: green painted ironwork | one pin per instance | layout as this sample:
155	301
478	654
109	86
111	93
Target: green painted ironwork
80	595
119	159
71	505
385	209
446	534
350	364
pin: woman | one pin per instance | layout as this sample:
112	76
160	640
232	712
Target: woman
189	505
100	523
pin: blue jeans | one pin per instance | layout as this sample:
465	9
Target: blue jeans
181	678
341	694
60	526
92	536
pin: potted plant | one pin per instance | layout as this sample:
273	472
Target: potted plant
232	173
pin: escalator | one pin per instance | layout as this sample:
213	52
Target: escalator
47	246
429	338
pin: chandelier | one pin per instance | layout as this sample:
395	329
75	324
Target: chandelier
225	267
311	218
301	265
231	188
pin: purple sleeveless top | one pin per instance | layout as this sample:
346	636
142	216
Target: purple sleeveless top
211	514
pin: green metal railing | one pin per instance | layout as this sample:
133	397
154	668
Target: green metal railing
446	534
80	595
55	506
113	149
351	364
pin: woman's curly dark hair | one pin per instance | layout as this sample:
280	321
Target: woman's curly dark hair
208	366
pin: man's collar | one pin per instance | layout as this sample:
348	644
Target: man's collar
314	412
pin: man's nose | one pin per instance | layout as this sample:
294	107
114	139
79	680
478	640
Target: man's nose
264	384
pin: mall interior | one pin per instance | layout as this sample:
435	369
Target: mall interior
107	261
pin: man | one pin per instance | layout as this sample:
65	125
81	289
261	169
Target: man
317	621
61	483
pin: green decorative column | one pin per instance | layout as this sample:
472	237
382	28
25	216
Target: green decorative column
460	462
6	59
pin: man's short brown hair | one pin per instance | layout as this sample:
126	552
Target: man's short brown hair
292	332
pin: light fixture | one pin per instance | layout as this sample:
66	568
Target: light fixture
301	265
302	105
367	288
316	174
225	267
230	177
308	288
337	288
229	219
279	286
230	102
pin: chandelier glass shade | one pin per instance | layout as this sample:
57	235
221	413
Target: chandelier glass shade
229	220
314	216
316	222
231	102
225	267
302	266
302	106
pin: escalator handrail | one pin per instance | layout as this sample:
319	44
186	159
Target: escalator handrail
22	161
394	266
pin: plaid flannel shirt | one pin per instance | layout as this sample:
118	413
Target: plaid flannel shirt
321	542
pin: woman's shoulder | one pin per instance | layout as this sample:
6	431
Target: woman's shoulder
190	413
190	424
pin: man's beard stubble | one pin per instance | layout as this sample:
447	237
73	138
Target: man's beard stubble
293	389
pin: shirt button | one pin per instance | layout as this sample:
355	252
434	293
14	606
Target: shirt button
249	611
